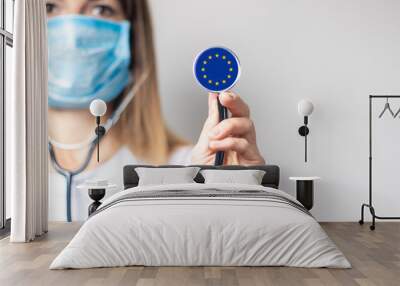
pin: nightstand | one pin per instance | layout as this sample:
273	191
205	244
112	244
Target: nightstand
305	190
96	191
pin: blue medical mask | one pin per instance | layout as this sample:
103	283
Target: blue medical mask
89	58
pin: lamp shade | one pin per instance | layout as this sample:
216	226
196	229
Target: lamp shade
305	107
98	107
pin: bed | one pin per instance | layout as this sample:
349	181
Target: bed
198	224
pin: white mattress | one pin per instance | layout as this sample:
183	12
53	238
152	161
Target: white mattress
200	232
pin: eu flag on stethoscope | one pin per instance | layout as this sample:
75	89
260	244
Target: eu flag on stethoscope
217	69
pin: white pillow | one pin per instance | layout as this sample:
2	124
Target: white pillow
248	177
162	176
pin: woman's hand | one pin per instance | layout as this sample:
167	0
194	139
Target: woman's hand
236	136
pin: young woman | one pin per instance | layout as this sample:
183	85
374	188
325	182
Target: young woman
104	49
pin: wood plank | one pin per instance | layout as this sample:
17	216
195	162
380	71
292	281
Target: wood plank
375	257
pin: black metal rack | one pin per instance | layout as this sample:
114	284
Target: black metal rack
370	205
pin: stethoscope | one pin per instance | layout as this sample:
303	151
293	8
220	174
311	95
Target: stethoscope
92	142
217	69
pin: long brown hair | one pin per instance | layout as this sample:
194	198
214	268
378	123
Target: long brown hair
142	124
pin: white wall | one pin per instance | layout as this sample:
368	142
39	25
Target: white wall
335	53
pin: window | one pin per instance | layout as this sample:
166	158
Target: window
6	44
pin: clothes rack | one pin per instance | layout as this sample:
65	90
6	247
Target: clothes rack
370	203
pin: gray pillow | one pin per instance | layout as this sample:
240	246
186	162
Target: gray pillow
248	177
162	176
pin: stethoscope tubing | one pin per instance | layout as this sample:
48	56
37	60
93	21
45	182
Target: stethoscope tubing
223	114
69	175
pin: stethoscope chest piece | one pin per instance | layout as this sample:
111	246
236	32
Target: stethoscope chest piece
217	69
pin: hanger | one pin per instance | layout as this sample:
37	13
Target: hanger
397	113
387	107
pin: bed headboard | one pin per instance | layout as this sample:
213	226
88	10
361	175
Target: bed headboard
270	179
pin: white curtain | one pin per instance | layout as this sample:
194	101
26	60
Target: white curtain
26	122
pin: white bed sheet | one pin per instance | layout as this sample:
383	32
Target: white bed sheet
200	232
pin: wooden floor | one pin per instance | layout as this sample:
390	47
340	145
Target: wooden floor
375	257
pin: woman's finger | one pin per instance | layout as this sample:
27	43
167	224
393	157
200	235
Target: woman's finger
231	127
239	145
213	115
211	122
235	104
